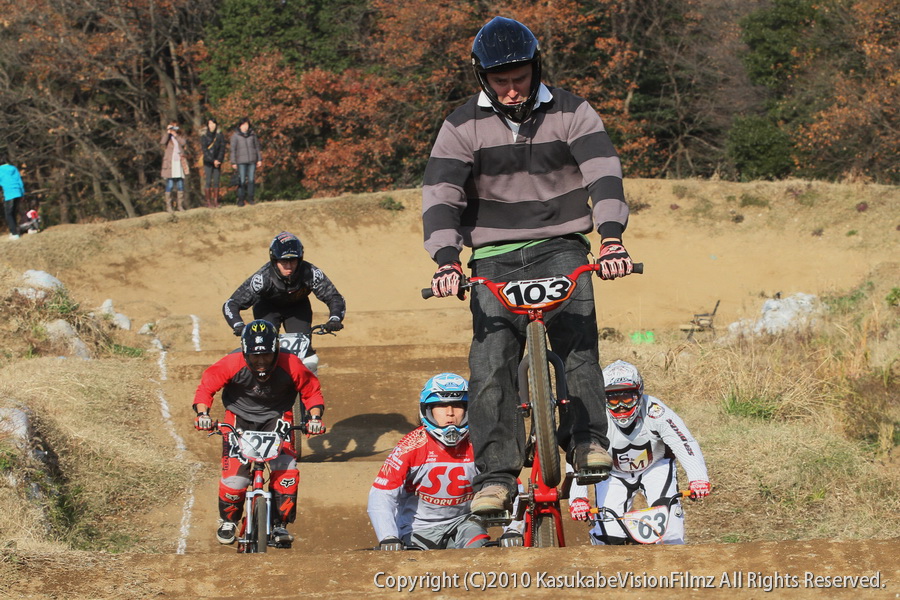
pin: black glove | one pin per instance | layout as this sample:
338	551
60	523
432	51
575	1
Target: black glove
333	324
390	543
239	328
614	260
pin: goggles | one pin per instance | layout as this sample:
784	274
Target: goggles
621	399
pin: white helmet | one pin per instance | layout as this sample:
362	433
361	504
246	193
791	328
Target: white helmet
624	392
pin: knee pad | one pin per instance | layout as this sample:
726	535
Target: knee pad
231	502
285	482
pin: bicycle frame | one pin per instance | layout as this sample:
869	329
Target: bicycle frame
257	500
532	299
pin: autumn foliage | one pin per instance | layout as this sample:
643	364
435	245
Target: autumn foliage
347	96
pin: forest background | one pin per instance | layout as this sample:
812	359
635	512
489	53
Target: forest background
348	95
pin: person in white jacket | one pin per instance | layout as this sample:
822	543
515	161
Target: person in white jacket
646	437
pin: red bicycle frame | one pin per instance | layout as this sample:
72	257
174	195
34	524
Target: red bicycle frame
533	298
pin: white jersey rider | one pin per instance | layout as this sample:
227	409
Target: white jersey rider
421	496
645	437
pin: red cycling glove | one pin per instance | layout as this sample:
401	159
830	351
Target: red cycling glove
614	260
579	509
446	281
699	489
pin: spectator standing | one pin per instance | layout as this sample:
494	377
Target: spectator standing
13	189
246	158
213	144
175	165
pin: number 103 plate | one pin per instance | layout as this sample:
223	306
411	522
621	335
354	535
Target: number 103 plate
537	293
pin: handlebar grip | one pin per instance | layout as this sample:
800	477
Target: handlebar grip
427	293
637	268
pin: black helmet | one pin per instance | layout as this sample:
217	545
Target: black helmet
285	245
260	338
501	45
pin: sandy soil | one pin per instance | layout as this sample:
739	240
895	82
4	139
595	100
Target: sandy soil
177	271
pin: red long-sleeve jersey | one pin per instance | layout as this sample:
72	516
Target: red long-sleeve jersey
254	400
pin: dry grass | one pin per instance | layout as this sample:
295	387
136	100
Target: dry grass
800	431
95	421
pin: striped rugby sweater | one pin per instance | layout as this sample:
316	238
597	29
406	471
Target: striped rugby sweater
483	187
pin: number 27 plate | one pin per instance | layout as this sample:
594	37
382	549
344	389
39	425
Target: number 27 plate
537	293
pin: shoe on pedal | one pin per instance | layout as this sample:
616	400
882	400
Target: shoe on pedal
592	463
280	536
227	532
491	499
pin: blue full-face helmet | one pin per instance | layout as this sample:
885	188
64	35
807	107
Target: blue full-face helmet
445	388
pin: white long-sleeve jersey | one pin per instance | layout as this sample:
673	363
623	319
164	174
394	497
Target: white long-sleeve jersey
657	433
422	483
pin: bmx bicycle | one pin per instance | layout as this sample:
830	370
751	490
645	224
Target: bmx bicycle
642	526
257	448
539	397
300	344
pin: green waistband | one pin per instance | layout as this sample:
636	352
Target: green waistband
497	249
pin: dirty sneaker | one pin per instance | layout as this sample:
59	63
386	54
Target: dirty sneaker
280	536
592	457
226	532
491	499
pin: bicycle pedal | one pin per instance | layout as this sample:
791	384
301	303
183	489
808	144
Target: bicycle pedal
280	544
494	519
591	476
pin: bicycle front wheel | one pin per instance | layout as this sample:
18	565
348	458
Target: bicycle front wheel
259	537
543	411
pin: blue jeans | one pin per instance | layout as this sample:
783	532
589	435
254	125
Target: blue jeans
9	210
246	185
496	425
176	183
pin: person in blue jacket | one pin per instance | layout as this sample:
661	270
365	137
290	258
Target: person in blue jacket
13	189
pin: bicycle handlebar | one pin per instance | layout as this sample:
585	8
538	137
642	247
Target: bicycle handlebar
465	284
664	501
217	425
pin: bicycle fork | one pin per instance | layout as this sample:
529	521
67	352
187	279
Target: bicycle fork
257	491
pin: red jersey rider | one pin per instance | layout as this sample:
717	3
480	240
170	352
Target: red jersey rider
421	496
258	390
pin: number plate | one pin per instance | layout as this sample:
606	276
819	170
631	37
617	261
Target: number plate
537	293
647	526
295	343
260	446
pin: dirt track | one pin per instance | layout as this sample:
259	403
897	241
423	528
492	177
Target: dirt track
371	374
